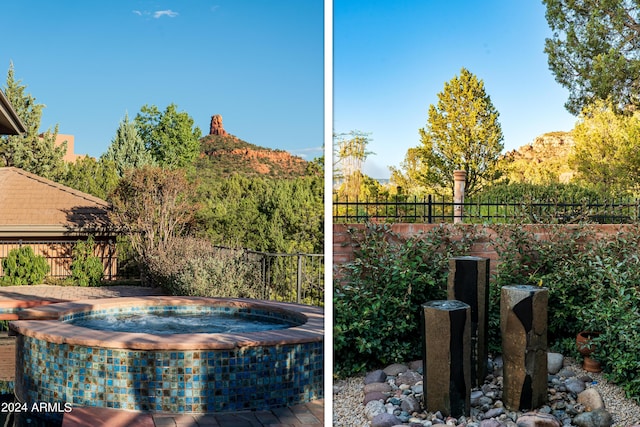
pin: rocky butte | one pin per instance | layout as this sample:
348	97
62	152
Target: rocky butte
225	149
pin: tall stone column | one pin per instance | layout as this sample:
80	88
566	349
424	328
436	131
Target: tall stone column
469	282
459	179
447	357
523	323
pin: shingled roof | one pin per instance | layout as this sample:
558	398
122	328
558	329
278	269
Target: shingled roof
32	206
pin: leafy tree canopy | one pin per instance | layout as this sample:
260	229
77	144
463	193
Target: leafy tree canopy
606	154
462	133
32	151
96	177
594	50
170	136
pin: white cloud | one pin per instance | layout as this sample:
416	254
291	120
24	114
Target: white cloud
137	12
160	13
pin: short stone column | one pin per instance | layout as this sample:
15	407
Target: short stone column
447	357
469	282
523	323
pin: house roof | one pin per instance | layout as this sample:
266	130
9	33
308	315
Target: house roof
32	206
10	123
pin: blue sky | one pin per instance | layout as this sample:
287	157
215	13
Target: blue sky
391	59
257	63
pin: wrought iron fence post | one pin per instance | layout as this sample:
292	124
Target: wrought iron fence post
430	210
299	279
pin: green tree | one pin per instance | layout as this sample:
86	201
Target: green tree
272	215
594	50
407	179
606	153
170	136
96	177
32	151
350	152
127	149
462	133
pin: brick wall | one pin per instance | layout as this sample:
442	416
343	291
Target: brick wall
343	250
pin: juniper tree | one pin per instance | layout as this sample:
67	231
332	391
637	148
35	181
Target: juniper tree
462	132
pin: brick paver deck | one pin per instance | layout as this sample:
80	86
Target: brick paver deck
309	414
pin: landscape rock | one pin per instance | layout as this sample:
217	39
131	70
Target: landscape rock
410	378
374	395
377	376
385	420
591	399
381	387
574	385
554	362
410	404
374	408
490	423
395	369
597	418
537	419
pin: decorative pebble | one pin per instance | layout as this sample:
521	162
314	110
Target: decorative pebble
563	406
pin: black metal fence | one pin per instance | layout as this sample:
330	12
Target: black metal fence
295	277
436	209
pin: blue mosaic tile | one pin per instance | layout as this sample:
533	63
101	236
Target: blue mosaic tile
255	378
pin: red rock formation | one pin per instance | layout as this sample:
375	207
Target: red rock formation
216	127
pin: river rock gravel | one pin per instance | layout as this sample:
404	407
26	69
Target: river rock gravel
576	398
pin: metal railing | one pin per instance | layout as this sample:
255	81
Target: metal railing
436	209
297	277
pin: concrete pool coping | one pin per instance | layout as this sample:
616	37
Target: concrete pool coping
44	324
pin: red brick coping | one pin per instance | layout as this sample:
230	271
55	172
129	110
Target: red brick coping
47	326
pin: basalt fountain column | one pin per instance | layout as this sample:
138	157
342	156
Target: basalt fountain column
523	323
469	283
447	357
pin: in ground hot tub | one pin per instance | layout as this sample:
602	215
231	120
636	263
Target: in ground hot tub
185	371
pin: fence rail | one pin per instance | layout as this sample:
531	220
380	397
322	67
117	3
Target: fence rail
436	209
295	277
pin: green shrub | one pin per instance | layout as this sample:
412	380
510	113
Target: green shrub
194	267
86	268
377	297
23	267
594	284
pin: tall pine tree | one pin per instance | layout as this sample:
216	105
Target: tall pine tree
127	149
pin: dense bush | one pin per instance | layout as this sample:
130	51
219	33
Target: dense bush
194	267
86	268
593	285
377	297
23	267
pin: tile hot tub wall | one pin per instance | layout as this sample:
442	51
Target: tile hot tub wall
184	381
